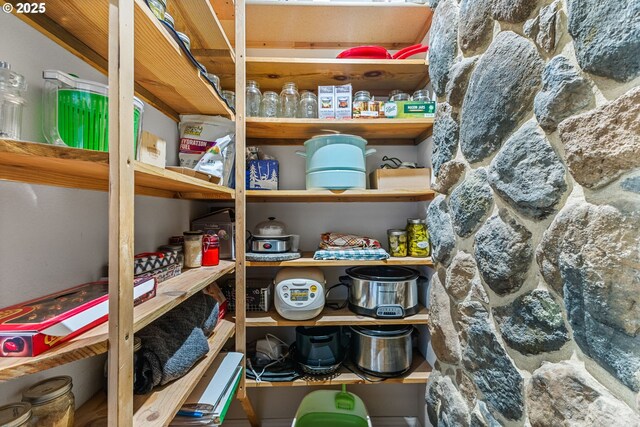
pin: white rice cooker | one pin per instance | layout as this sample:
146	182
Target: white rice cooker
299	292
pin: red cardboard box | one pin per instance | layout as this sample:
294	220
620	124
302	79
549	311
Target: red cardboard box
33	327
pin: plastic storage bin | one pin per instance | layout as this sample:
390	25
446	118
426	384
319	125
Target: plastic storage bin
76	112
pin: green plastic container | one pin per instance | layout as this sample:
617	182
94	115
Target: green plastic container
324	408
76	112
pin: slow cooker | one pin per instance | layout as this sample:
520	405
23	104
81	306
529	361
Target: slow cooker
299	292
382	350
382	291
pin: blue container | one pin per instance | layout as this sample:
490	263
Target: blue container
262	175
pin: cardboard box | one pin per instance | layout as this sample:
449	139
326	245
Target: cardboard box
326	102
368	110
33	327
410	109
343	101
400	179
152	150
262	175
195	174
222	224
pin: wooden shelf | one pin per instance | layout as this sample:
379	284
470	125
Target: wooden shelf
418	374
59	166
334	196
164	75
377	76
161	405
333	25
279	131
330	317
94	342
308	261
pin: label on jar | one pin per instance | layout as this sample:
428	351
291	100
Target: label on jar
423	245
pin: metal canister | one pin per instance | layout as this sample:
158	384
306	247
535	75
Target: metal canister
397	242
417	237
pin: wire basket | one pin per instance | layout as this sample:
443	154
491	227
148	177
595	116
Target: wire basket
258	294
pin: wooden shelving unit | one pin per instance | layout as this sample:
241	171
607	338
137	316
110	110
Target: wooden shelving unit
330	317
54	165
307	261
278	131
164	75
334	196
94	342
160	406
417	374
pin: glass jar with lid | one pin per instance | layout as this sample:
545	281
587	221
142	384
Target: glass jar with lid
394	92
15	415
289	100
230	97
401	96
158	7
169	20
362	96
308	108
193	249
52	402
215	80
397	242
417	238
421	95
185	39
13	88
253	97
270	104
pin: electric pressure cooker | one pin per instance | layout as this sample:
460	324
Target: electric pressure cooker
382	291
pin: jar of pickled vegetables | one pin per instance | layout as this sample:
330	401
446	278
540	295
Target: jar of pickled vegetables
417	237
397	242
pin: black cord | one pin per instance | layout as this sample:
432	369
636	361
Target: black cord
363	376
335	305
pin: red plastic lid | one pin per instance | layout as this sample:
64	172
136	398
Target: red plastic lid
365	52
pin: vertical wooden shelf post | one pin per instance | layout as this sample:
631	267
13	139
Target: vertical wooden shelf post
121	204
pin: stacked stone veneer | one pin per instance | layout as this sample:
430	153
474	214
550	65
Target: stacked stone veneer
535	302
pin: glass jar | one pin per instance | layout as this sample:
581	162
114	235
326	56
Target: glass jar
417	238
393	93
158	7
254	97
289	100
12	100
215	79
185	39
308	108
193	249
52	402
401	96
362	96
397	242
270	105
230	97
421	95
169	20
15	415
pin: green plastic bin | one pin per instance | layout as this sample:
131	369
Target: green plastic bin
324	408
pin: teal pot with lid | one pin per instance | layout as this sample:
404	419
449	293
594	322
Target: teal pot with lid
336	152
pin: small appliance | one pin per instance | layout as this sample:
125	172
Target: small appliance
299	292
271	237
319	350
382	350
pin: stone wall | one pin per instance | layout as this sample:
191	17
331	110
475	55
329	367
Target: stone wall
535	302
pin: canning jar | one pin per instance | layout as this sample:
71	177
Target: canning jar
185	39
308	106
158	7
401	96
270	105
169	20
253	98
15	415
289	100
393	93
421	95
362	96
12	91
215	79
193	249
52	402
230	97
397	242
417	237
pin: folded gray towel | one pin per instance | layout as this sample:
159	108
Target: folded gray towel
175	342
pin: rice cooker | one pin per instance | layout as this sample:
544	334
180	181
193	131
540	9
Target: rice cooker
299	292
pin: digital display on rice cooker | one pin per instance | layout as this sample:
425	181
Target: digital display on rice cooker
299	294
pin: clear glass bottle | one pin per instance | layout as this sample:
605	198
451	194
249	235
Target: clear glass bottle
13	89
401	96
253	98
421	95
52	402
308	108
230	97
397	242
270	104
417	237
289	100
15	415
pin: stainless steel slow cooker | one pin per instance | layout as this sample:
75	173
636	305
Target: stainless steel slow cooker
382	291
382	350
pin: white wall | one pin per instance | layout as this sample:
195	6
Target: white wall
54	238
